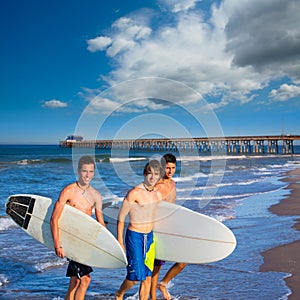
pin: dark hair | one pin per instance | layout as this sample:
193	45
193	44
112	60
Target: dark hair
168	158
85	160
153	164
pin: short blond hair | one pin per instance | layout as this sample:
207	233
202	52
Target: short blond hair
153	164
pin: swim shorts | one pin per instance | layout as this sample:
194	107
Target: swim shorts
77	269
140	255
159	263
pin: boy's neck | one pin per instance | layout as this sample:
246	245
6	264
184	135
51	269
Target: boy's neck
167	179
148	188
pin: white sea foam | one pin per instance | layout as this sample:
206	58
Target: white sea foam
293	163
6	223
3	279
28	161
113	199
222	218
23	162
42	266
209	158
134	297
217	185
125	159
214	197
190	178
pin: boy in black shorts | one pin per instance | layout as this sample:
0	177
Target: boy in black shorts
84	197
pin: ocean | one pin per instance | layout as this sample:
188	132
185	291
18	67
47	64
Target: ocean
236	190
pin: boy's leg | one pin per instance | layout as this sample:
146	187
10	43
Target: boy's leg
145	288
82	288
73	285
173	272
154	281
164	291
125	286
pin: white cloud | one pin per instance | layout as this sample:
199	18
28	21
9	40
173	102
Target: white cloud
99	43
126	35
54	104
121	44
285	92
177	6
100	102
231	55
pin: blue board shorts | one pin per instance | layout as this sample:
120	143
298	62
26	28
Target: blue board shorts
140	255
77	269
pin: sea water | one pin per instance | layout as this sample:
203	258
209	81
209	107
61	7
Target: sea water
237	190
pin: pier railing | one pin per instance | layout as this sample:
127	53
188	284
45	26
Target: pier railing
277	144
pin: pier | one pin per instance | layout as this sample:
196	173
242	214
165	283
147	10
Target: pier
277	144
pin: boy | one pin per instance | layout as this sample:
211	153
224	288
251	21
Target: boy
140	204
84	197
167	187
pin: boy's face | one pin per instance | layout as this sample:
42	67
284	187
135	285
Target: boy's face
86	173
152	176
170	169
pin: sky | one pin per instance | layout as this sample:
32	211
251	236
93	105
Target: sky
148	68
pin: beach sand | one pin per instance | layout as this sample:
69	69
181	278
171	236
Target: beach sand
286	258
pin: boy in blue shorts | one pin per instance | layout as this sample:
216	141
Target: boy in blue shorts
140	204
167	187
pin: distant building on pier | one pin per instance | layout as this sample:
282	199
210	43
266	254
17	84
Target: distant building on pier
74	138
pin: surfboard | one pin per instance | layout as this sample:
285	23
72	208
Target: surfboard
84	239
183	235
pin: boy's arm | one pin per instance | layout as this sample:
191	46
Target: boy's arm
57	211
125	209
99	216
98	210
120	231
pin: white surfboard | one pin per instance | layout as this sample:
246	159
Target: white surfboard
183	235
84	239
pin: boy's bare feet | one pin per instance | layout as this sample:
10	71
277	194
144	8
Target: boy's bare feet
118	296
163	289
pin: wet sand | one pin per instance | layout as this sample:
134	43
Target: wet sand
286	258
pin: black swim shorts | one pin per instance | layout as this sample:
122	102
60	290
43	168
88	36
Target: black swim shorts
77	269
159	263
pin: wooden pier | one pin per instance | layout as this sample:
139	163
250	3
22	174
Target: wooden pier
277	144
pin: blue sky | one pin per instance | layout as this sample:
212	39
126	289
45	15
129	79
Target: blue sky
130	69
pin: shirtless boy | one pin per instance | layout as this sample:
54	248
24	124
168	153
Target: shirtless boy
167	187
140	204
84	197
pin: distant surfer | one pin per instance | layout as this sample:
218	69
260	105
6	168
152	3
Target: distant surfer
167	187
83	196
140	204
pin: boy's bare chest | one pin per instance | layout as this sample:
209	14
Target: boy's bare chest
82	202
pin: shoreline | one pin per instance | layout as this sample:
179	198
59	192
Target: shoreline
286	258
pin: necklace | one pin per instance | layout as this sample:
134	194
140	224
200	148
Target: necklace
147	189
83	190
